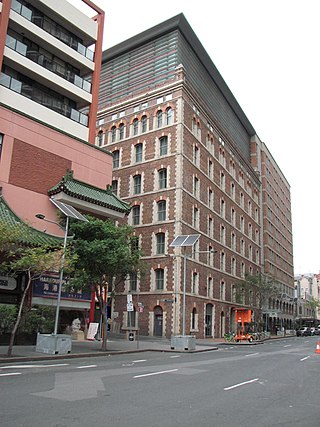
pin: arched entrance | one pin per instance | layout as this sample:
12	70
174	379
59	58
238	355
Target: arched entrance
158	321
208	320
222	324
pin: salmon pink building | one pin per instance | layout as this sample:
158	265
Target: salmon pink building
48	115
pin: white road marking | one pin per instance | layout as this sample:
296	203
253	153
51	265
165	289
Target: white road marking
86	366
252	354
33	366
288	345
172	357
304	358
12	373
138	361
155	373
240	384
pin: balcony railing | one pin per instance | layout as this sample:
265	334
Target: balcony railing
42	98
47	63
52	28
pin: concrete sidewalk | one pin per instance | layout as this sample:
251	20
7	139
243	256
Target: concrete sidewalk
116	344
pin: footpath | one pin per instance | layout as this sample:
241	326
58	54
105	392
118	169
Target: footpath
116	344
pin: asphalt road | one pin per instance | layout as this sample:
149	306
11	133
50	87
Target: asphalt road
273	384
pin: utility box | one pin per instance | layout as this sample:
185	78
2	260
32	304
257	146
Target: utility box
183	342
54	344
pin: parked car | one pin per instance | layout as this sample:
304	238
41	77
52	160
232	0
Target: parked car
317	331
312	330
303	332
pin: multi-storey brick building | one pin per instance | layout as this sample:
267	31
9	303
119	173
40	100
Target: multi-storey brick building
189	161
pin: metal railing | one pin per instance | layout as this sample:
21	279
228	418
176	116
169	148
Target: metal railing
42	98
47	63
52	28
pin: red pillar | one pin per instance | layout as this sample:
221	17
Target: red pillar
4	22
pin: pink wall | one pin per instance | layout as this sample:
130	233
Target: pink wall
89	164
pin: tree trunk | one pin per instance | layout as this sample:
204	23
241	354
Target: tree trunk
17	323
103	306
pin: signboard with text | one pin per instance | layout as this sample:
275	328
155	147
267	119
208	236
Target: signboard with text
47	286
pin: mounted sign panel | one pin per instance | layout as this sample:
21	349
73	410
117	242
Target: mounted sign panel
68	210
185	240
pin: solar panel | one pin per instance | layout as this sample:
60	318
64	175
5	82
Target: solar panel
68	210
185	240
178	241
191	240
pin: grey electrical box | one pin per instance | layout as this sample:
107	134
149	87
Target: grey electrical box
54	344
183	342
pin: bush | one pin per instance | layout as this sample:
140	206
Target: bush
38	319
7	317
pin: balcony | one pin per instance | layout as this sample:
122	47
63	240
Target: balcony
40	95
48	63
52	28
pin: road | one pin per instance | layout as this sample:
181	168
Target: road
272	384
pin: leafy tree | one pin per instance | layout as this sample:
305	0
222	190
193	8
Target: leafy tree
262	288
9	238
32	262
106	255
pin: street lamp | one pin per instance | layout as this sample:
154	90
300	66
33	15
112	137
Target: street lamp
69	212
43	218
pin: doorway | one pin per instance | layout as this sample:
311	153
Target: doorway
208	321
158	322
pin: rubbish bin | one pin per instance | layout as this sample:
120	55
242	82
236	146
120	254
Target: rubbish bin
54	344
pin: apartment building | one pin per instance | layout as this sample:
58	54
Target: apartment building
189	161
47	145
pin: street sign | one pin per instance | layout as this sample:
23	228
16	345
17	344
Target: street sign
129	298
129	306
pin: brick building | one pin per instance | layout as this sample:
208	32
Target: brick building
189	161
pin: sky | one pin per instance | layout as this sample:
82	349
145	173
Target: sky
267	51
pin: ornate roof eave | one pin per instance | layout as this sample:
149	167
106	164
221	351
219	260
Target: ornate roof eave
28	235
87	198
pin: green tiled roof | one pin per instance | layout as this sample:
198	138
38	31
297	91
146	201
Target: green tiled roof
80	190
28	235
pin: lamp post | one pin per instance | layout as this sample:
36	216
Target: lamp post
42	217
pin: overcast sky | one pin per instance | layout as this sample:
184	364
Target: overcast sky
267	51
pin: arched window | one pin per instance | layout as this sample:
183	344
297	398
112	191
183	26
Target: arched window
113	134
138	153
100	138
115	186
193	318
135	126
162	206
144	124
116	158
137	184
136	215
121	131
160	243
133	282
162	178
159	279
169	116
159	119
163	146
194	284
